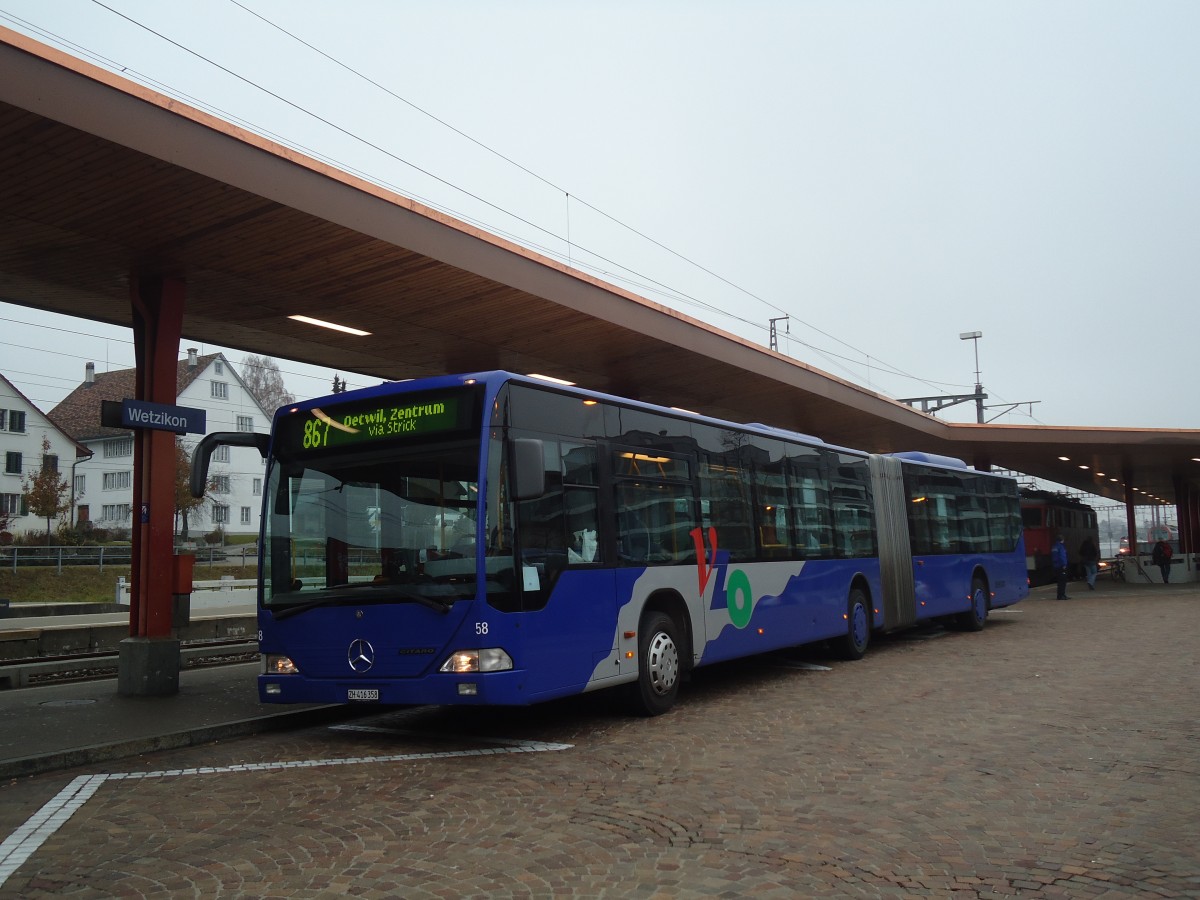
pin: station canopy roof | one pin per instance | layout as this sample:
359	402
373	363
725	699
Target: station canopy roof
102	177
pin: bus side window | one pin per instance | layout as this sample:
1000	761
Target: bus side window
773	516
853	512
582	525
540	522
654	522
581	478
723	488
813	518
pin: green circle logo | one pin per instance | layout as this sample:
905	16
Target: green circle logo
739	598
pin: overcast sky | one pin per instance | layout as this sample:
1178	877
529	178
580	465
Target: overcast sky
887	174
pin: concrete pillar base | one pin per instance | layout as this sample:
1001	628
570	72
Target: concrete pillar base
181	610
148	667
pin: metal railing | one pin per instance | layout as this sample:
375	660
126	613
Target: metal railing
14	556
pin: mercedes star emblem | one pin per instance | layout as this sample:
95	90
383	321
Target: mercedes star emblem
361	655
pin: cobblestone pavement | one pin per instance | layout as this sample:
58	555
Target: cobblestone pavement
1053	755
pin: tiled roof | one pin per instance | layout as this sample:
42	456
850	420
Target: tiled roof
79	412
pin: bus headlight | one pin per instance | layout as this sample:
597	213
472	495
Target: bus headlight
491	659
274	664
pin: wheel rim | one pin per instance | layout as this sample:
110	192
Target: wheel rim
858	625
662	663
980	604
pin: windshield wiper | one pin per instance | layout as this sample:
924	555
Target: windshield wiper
380	592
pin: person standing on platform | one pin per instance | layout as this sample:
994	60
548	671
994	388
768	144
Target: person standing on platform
1161	557
1058	559
1090	557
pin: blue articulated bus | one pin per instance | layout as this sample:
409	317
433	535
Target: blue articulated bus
497	539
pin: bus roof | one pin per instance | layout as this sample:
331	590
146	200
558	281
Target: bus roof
499	376
930	459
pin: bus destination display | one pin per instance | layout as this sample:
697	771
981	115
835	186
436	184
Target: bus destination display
363	423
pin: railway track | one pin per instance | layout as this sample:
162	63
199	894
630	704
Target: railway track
75	667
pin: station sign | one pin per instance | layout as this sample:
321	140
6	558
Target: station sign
156	416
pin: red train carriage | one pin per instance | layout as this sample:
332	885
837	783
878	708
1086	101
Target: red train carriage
1044	516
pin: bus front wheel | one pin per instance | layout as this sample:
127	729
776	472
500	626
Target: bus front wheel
659	666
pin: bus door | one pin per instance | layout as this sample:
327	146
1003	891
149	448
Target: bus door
895	551
654	511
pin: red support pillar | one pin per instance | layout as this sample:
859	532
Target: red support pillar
1187	513
1193	519
1130	517
149	662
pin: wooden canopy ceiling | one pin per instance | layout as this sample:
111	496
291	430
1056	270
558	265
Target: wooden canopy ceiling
101	178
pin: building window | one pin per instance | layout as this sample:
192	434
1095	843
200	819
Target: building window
245	515
12	420
12	505
220	484
221	454
80	485
245	423
220	514
257	487
219	367
115	512
117	481
12	463
220	390
49	462
118	447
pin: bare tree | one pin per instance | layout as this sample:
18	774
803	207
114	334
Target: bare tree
263	380
48	492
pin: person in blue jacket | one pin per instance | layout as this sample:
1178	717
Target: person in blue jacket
1058	559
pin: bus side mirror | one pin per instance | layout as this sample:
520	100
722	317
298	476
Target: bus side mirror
210	442
528	468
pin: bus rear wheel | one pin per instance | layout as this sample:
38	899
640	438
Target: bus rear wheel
659	666
858	626
976	617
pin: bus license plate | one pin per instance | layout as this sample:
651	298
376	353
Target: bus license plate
362	694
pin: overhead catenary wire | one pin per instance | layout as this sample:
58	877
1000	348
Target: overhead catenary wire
569	196
893	369
679	296
642	280
113	365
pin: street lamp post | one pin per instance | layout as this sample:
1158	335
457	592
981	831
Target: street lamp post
975	336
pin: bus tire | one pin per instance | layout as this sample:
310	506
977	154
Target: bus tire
659	665
858	626
976	617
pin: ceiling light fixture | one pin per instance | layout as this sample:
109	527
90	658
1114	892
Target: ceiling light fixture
551	379
308	320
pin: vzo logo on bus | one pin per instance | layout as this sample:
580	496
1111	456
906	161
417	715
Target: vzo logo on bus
732	587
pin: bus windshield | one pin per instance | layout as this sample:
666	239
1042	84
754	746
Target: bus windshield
369	527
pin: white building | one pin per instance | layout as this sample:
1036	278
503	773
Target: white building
23	429
105	482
